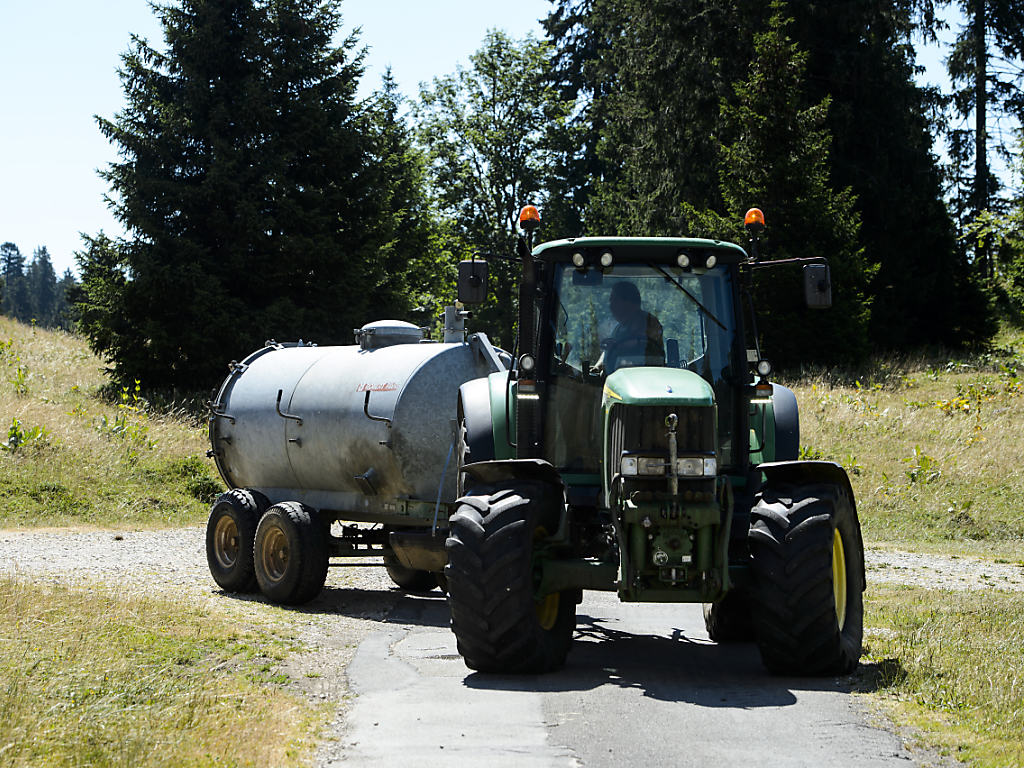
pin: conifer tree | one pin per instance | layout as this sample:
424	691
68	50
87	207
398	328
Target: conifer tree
42	285
779	162
16	300
244	187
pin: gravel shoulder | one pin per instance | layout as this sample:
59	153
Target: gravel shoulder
356	601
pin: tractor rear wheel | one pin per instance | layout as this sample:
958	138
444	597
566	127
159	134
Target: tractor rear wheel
408	579
728	620
230	533
291	554
807	579
498	625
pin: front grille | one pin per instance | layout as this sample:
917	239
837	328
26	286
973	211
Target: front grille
637	428
642	428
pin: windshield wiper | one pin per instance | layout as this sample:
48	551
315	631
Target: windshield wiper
689	295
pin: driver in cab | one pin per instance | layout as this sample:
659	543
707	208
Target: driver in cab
638	333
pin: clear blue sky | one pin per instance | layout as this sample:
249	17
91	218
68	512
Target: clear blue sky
58	62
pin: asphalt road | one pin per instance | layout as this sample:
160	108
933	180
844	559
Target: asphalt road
643	686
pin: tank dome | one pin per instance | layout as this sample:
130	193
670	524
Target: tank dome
387	333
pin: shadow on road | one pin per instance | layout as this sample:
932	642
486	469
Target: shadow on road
672	667
414	608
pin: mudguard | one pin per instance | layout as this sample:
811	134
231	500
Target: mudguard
787	424
800	472
475	412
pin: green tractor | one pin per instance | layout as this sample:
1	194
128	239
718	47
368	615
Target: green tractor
637	446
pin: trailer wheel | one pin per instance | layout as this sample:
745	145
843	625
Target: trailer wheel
498	625
807	568
407	578
291	554
230	533
728	620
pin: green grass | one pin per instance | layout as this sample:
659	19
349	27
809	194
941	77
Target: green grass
952	664
75	456
90	677
932	450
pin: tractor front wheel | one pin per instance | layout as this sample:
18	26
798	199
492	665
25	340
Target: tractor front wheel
807	579
498	625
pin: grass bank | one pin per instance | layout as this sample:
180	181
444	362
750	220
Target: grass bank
97	678
932	448
952	666
76	454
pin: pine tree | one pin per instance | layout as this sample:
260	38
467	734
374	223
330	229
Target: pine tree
66	318
17	301
779	162
42	284
986	62
859	56
244	186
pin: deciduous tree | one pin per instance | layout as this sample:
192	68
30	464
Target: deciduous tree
490	133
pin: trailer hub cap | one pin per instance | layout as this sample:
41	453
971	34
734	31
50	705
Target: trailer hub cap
225	540
839	577
274	554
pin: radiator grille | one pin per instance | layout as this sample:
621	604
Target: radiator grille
642	428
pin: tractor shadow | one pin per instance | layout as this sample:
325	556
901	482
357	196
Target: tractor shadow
679	666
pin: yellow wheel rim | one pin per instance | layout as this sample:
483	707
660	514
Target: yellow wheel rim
547	611
839	577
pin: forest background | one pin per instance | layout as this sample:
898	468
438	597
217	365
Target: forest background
262	199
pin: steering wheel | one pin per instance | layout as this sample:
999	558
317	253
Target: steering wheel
611	346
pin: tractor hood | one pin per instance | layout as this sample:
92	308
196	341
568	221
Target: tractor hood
656	386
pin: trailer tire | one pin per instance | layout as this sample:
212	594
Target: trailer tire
807	579
728	620
497	624
407	578
230	534
291	554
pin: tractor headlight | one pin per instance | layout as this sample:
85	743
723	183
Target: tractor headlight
651	466
628	466
690	467
696	467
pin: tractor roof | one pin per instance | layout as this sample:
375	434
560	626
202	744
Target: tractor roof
627	249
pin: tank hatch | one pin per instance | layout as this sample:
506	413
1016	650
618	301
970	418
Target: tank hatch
387	333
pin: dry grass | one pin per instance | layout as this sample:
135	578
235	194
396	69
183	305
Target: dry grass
951	664
933	451
74	458
96	678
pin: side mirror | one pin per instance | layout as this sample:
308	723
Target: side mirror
817	286
472	282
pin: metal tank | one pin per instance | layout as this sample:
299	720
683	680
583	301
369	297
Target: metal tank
361	433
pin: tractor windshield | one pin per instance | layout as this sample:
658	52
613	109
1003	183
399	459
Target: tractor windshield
632	315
